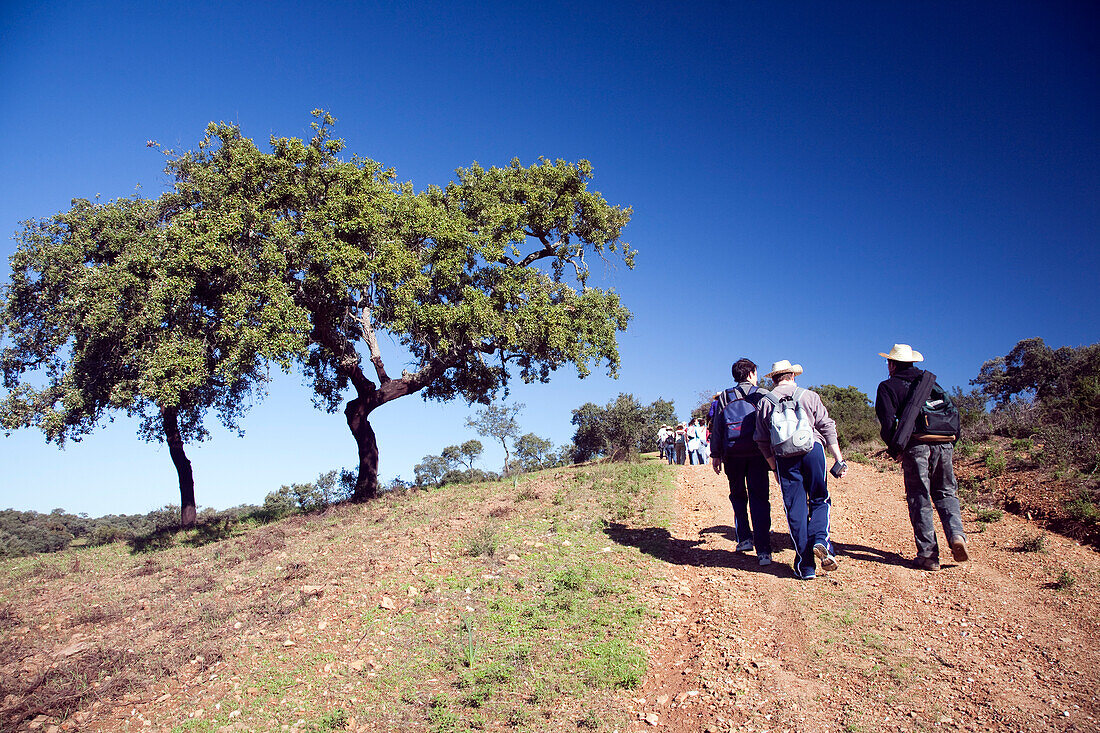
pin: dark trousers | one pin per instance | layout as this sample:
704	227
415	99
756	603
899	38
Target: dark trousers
748	477
930	482
806	499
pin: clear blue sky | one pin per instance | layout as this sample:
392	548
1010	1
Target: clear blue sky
812	181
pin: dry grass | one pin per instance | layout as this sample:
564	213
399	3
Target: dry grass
286	622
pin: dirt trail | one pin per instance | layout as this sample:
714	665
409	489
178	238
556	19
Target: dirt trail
993	644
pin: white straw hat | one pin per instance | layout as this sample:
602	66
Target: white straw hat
903	352
784	366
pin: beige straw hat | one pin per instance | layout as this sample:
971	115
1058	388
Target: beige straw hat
903	352
782	367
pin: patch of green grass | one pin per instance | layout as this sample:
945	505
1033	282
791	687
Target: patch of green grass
1022	444
333	720
988	515
616	663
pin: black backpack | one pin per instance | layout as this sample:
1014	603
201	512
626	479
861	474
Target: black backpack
938	415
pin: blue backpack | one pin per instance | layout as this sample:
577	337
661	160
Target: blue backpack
739	415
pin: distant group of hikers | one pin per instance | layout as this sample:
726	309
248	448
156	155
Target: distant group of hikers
686	442
752	431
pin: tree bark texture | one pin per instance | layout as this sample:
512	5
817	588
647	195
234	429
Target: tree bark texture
188	510
366	484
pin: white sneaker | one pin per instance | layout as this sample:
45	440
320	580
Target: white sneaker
744	546
765	558
826	558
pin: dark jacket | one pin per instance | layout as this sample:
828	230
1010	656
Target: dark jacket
890	399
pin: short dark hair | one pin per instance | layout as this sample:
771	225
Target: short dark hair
742	368
900	364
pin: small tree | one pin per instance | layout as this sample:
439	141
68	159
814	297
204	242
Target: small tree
465	454
499	422
533	452
620	430
431	470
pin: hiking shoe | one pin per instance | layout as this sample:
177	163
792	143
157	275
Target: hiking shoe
926	563
765	558
958	549
825	558
744	546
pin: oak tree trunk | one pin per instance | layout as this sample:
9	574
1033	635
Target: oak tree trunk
188	511
366	484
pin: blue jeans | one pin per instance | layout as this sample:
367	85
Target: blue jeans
806	499
748	478
696	456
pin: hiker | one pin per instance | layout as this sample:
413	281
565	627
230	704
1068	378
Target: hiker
735	448
681	444
704	432
696	436
924	444
793	429
668	444
662	436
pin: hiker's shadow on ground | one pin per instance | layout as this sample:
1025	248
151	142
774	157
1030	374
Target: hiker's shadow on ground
658	542
863	553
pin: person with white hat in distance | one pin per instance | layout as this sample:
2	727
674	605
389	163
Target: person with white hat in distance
798	458
926	461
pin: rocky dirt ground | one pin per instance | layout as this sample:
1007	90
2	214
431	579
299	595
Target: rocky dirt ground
1007	641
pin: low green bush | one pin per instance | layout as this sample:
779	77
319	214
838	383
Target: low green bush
995	462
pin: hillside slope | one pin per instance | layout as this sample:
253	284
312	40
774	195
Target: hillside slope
588	598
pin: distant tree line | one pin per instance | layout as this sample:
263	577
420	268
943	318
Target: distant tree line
30	533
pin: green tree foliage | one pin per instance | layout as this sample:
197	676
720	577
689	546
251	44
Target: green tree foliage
853	411
164	309
134	306
465	454
498	421
481	280
1051	393
534	453
431	470
621	429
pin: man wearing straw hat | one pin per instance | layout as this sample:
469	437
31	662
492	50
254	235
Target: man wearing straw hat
926	462
802	477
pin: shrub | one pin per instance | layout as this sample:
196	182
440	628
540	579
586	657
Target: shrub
1083	509
995	462
1065	581
483	542
1033	544
853	413
986	515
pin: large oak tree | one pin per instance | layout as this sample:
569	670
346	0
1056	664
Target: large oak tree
131	306
481	281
